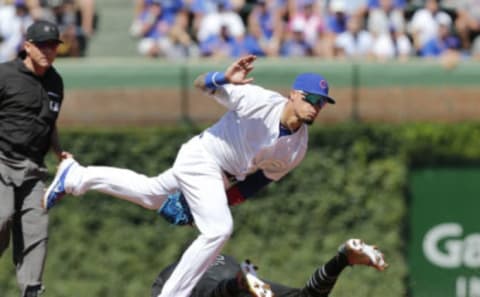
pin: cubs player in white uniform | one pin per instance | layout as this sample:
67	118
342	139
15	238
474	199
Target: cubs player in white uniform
260	139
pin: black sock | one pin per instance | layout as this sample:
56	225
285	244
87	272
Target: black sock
335	266
325	277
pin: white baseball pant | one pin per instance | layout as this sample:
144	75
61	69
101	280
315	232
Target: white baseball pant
200	179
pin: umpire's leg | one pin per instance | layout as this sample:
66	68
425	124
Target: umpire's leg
30	237
6	213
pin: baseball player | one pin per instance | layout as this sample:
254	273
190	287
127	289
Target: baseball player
227	278
259	140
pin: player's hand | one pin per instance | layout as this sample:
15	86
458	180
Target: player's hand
237	72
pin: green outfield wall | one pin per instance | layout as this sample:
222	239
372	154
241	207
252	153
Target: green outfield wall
101	73
152	92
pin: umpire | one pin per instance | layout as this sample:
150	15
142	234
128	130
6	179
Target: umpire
31	94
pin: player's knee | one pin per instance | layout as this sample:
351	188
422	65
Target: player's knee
227	231
218	239
221	233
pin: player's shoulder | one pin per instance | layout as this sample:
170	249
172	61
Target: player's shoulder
260	91
246	87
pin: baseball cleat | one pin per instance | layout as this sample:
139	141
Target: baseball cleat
360	253
249	280
56	190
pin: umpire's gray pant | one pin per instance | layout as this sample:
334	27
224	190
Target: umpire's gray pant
23	218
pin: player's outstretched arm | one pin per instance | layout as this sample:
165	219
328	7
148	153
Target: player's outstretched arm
236	74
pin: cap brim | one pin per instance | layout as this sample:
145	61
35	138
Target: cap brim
329	99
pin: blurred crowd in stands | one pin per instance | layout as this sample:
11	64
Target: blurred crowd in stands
179	29
366	29
76	20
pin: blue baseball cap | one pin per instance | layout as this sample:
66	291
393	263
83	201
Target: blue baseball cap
314	84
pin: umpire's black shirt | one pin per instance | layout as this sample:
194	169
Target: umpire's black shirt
29	107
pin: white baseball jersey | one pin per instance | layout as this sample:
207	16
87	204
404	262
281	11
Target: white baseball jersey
244	140
247	138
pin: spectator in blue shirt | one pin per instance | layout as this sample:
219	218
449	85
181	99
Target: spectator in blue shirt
162	26
375	4
221	45
295	44
444	43
337	18
152	29
202	8
400	4
265	28
169	10
252	45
